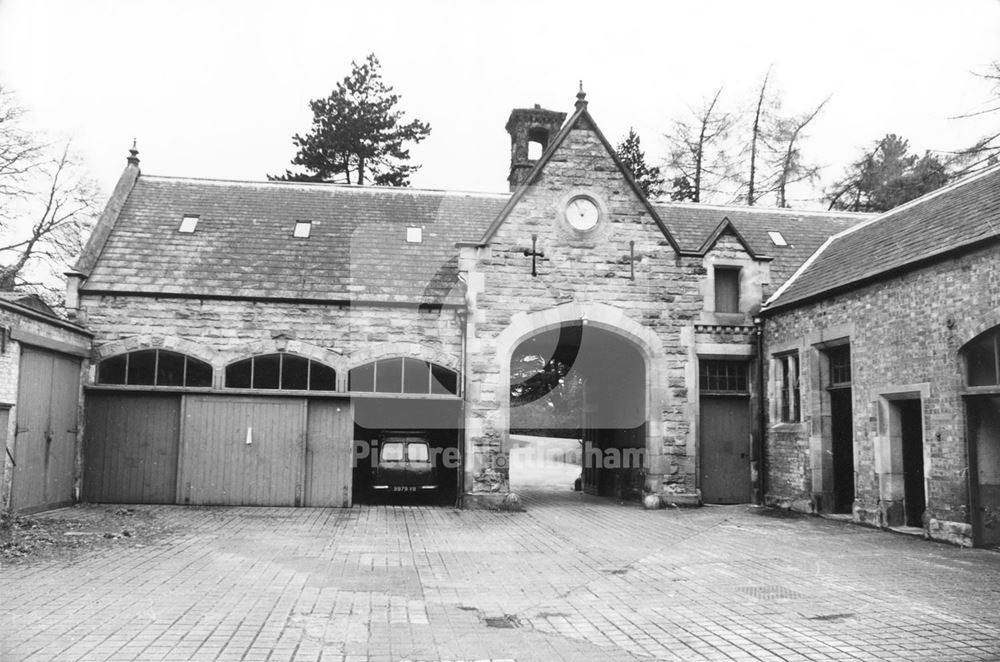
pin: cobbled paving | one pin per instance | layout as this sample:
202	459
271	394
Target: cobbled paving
573	578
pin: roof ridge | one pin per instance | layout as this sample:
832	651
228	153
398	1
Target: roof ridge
930	195
321	185
762	210
581	113
959	183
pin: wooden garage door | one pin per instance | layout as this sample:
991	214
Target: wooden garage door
130	447
242	451
329	453
45	437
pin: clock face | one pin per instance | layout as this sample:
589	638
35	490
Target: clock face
582	213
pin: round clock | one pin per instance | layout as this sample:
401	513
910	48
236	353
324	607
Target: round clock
582	213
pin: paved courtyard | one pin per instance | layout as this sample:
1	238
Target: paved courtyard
573	578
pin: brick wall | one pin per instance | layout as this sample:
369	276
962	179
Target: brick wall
905	334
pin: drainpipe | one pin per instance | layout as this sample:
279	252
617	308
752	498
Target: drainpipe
758	447
463	315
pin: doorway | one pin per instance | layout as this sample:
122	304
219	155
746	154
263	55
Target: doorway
578	413
912	445
841	428
724	458
984	456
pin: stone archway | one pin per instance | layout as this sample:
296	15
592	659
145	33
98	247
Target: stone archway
488	443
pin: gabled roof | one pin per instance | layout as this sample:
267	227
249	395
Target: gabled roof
580	118
697	226
726	226
953	218
357	250
243	245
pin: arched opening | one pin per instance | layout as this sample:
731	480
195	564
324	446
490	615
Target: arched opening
578	413
538	140
982	401
154	367
406	422
280	371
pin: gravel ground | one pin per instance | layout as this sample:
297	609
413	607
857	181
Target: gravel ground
28	538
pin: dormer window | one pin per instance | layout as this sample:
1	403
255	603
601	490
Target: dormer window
188	224
302	229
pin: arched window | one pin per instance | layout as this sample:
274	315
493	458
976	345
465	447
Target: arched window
403	375
982	359
154	367
538	140
281	371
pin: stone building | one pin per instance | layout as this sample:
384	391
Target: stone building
883	383
253	339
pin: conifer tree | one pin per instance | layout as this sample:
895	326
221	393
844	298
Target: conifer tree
358	134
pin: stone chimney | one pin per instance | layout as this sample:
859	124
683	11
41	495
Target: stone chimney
530	131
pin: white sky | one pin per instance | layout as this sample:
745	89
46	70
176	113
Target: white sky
216	89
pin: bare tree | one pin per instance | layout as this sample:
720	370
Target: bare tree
985	152
19	151
755	138
788	166
698	156
47	207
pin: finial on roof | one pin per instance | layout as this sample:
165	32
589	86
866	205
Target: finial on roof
133	154
581	98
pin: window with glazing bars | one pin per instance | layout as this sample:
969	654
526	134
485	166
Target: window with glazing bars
789	395
982	360
840	365
723	376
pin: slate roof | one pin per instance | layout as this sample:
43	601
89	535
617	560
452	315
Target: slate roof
805	231
953	218
357	251
243	245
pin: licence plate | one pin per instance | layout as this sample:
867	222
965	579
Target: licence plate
403	488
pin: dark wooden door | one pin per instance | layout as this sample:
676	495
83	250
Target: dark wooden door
242	451
912	433
984	447
130	447
45	437
842	448
725	449
329	453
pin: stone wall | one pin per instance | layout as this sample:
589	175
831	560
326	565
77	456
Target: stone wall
585	276
906	334
221	331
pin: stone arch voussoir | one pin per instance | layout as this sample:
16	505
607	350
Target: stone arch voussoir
286	346
989	321
404	349
601	316
151	341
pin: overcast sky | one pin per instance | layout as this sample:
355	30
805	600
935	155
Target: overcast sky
216	89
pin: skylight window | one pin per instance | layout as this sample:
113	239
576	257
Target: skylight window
776	238
188	224
302	229
414	235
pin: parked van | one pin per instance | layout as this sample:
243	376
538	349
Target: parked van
405	463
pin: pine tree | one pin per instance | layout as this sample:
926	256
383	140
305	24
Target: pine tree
887	176
632	157
357	134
